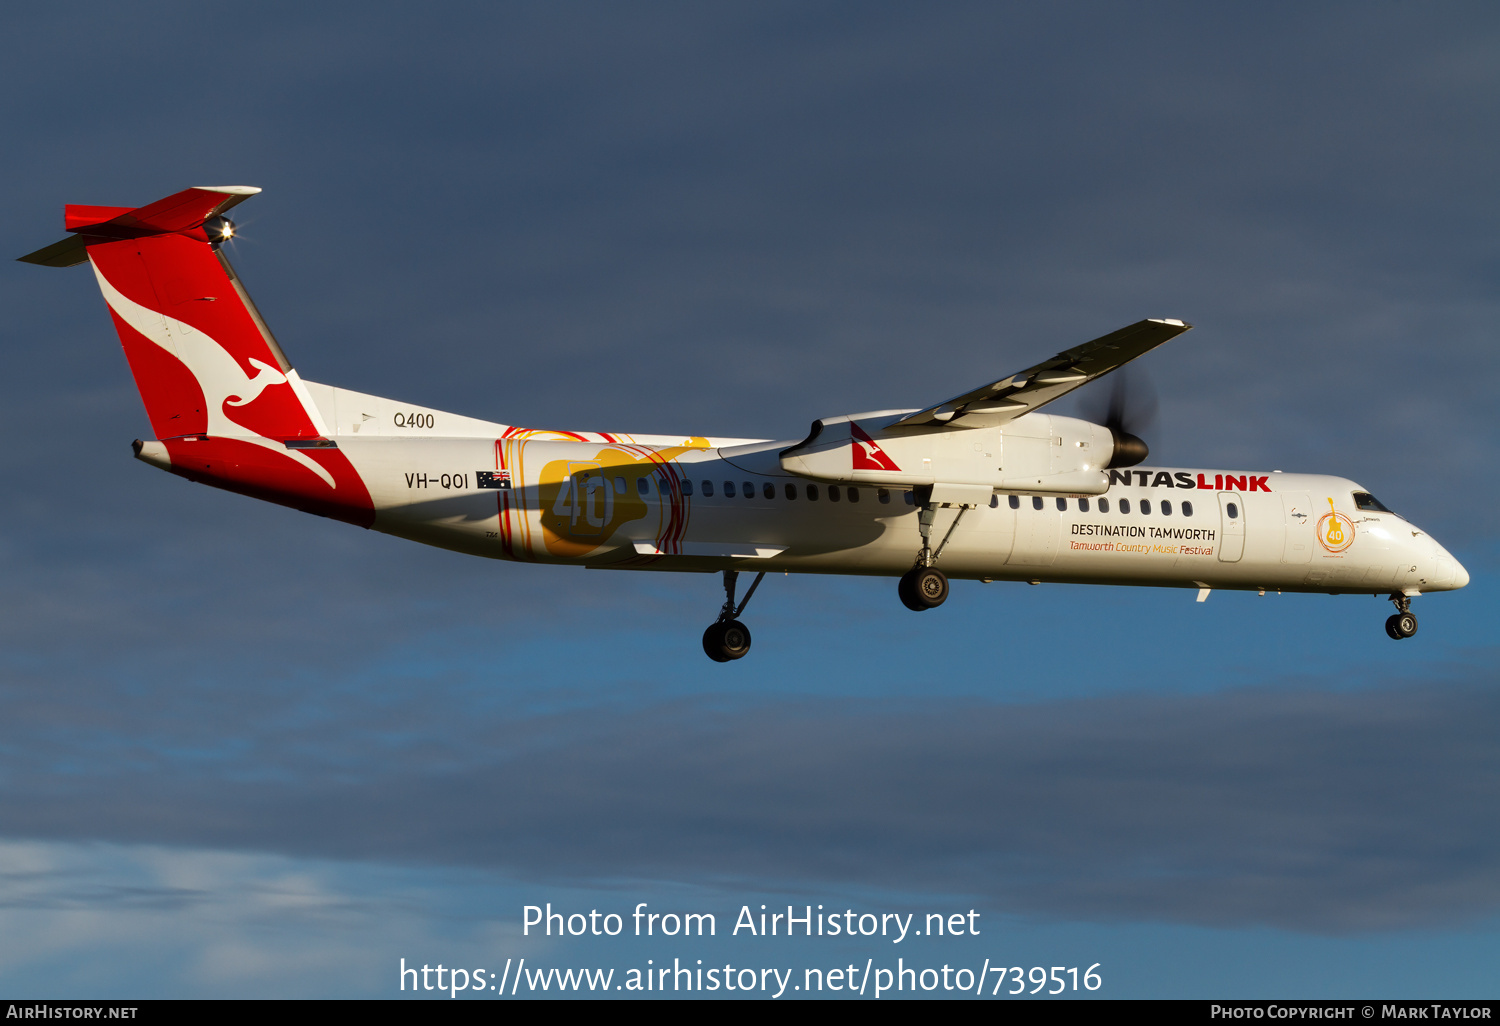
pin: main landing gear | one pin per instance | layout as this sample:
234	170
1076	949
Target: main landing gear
924	586
1404	624
726	638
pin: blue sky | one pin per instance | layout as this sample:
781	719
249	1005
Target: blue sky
246	752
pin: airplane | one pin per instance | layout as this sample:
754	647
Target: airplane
983	483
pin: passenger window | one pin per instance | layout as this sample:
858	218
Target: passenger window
791	491
883	494
619	486
1036	502
708	489
1166	508
833	493
1233	511
1103	505
728	489
909	500
768	490
1187	508
1124	505
854	495
1145	507
1368	502
812	493
994	502
1083	505
1062	505
747	490
642	485
1015	502
687	487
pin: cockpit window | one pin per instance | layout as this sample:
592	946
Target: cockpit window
1366	501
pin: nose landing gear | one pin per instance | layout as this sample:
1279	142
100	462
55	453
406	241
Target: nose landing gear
1403	624
726	638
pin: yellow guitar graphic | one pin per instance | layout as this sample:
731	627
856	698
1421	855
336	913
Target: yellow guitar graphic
1335	531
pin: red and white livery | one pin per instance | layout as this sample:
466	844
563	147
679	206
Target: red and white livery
983	485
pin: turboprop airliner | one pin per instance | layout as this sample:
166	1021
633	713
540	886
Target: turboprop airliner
983	486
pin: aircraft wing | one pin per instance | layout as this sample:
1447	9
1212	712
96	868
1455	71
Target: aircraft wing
1034	387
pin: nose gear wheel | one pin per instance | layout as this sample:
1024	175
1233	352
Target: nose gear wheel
1401	626
1404	623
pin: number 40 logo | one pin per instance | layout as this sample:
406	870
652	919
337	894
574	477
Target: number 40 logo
585	499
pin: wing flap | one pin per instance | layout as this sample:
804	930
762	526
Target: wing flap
716	550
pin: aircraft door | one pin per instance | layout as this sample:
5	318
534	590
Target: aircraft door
1231	527
1036	533
999	527
1297	511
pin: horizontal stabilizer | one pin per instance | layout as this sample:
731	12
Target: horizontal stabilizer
180	213
68	253
80	215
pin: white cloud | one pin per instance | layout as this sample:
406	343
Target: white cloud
111	920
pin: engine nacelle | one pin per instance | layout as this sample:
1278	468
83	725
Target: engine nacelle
1036	453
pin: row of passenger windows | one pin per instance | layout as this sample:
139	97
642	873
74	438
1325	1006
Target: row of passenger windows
1084	505
729	489
768	491
1363	500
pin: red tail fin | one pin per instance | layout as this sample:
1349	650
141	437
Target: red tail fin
218	389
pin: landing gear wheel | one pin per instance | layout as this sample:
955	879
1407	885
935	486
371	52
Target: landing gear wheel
923	587
726	640
908	592
932	587
1391	629
1406	624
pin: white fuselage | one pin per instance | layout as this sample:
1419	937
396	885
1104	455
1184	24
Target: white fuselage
657	503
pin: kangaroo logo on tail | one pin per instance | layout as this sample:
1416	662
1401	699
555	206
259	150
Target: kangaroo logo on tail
220	376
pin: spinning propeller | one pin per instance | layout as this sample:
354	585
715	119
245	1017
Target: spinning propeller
1130	413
